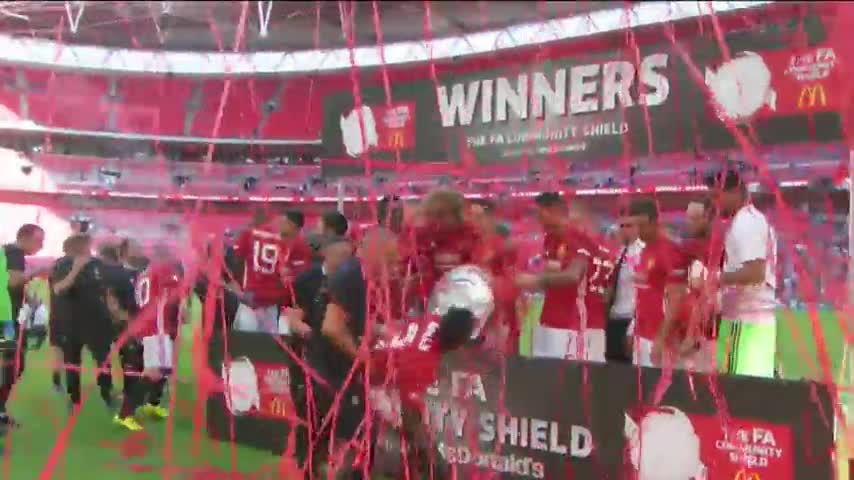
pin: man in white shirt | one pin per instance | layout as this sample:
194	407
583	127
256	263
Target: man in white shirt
747	339
622	309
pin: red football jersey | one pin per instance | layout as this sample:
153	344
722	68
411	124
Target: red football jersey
297	257
563	305
696	311
500	258
262	250
600	266
409	361
157	300
660	263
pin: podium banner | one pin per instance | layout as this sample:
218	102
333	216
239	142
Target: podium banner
542	418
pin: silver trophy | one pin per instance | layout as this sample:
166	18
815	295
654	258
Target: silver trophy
466	286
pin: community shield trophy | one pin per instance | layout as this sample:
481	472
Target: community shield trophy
466	286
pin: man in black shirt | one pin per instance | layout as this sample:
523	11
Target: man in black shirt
28	241
304	319
60	307
342	329
84	283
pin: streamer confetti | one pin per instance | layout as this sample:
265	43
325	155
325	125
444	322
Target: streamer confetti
235	112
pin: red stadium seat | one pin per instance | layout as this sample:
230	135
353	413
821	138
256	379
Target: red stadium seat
242	110
153	105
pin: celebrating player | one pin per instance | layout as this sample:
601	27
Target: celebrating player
405	366
695	319
151	328
266	252
658	283
576	266
444	239
499	256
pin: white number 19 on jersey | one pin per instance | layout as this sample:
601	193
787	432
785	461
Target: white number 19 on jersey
265	257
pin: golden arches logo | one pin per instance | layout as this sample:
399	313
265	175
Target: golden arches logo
396	139
812	94
745	475
279	408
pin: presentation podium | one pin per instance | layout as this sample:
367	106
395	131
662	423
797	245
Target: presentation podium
542	418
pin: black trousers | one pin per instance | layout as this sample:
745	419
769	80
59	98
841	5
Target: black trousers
304	411
350	412
616	332
72	351
137	389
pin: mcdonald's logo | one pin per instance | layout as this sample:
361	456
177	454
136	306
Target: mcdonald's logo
396	139
279	409
812	94
745	475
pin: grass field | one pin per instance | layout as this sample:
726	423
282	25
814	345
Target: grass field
93	448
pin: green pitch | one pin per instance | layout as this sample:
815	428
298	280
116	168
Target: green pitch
94	448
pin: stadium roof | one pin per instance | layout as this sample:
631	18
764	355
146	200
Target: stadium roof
494	32
290	26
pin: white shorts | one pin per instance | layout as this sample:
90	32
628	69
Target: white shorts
157	352
551	342
594	345
642	351
261	319
703	360
564	343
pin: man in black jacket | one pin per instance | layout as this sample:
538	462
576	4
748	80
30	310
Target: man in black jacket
302	318
60	305
84	282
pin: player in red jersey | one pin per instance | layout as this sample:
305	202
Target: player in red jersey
271	253
657	283
402	369
694	325
152	328
443	239
297	255
573	265
500	257
597	275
